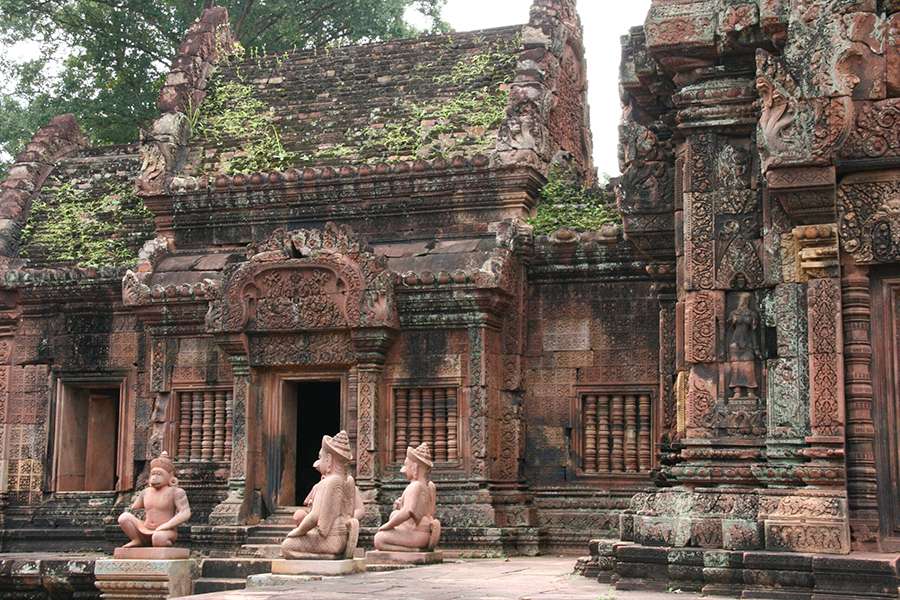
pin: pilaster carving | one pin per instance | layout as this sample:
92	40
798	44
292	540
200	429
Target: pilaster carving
862	488
825	360
236	507
703	318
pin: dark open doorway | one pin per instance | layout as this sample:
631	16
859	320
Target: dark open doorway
318	414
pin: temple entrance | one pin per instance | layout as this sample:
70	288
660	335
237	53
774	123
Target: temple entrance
886	380
310	409
88	440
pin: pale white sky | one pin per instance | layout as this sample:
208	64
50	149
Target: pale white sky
603	25
604	22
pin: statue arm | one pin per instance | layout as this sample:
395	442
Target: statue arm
406	512
138	503
182	512
306	525
319	512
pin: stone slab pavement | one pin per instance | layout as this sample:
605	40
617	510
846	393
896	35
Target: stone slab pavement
540	578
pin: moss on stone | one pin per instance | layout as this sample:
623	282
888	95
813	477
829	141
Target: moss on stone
231	111
567	203
439	128
75	226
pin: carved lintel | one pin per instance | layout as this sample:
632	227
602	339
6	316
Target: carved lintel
805	193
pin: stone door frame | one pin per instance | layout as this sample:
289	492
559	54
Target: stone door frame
63	384
273	383
886	405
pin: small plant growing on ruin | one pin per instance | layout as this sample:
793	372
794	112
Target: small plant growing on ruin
567	203
442	127
231	111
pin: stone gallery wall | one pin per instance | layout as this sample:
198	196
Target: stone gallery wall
593	416
773	124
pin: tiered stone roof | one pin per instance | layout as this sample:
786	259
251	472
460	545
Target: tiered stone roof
386	102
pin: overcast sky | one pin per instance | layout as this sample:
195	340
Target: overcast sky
603	26
604	22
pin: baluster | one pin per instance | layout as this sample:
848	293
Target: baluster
401	407
452	418
644	454
631	449
184	426
428	417
603	463
415	417
196	425
219	436
616	417
229	425
206	445
440	425
590	434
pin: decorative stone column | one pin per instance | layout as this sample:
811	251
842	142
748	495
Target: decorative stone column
370	346
235	508
478	406
862	483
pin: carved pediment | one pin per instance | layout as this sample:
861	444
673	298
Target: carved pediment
869	216
305	280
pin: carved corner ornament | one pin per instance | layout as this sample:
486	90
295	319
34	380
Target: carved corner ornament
869	216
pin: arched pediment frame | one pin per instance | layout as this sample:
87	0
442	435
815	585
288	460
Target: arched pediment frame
305	280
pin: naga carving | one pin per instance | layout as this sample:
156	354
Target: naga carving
793	130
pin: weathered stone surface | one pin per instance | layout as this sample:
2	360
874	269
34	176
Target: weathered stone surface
319	567
152	579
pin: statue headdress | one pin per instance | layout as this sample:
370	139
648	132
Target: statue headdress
339	444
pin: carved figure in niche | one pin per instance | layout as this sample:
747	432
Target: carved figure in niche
329	529
732	169
165	507
412	526
742	348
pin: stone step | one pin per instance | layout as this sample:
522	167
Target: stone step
264	551
233	568
208	585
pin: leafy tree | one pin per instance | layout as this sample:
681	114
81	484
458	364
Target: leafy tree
105	60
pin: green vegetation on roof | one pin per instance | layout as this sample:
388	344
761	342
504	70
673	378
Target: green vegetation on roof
442	127
75	226
231	110
567	202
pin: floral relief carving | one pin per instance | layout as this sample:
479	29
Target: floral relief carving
869	216
307	280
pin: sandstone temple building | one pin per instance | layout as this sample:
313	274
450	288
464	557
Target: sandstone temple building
708	383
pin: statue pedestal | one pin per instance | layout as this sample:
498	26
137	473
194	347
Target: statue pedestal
382	557
144	553
127	579
319	567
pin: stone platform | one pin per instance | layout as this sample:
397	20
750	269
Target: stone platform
146	579
319	567
381	557
744	573
541	578
143	553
